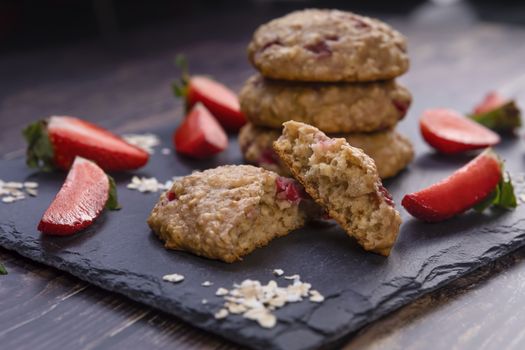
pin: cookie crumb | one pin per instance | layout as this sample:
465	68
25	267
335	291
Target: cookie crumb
204	301
316	297
145	141
206	284
148	184
175	278
293	277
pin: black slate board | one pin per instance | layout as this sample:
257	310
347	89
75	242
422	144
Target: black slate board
119	253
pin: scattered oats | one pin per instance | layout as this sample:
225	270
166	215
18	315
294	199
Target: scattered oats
175	278
278	272
316	297
221	291
145	141
33	192
30	184
256	301
222	313
293	277
206	284
13	185
8	199
148	184
165	151
204	301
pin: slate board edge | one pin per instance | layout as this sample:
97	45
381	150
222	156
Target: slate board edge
328	341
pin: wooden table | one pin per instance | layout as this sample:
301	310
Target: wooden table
125	85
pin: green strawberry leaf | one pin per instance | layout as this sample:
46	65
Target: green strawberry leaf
3	271
39	152
180	86
502	197
504	118
112	203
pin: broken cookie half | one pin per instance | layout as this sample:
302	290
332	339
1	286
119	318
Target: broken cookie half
227	212
344	181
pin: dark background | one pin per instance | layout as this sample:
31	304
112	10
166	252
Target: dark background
30	25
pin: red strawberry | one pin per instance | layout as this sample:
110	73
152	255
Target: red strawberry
220	101
449	132
497	113
56	141
465	188
492	101
83	196
200	135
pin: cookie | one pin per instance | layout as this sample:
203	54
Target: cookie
227	212
328	46
344	181
391	151
332	108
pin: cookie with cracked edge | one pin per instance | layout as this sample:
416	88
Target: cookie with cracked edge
344	181
328	46
333	108
227	212
391	151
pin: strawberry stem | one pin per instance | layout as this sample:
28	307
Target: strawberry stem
502	197
39	152
180	86
112	203
3	271
504	118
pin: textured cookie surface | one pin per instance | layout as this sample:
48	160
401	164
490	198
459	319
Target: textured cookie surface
391	151
344	181
226	212
333	108
329	46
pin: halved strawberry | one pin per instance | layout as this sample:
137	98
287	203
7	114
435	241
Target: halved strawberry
57	140
83	196
497	113
478	181
220	100
450	132
200	135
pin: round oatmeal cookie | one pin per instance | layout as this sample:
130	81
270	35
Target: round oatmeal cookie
329	46
390	150
333	108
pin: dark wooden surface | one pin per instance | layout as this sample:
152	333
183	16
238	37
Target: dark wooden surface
125	86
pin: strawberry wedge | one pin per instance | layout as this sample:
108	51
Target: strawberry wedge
479	180
497	113
200	135
220	101
56	141
82	198
450	132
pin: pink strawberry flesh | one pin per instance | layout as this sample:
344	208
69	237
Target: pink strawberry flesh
492	101
289	189
460	191
79	202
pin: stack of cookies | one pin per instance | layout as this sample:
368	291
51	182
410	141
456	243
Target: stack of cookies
333	70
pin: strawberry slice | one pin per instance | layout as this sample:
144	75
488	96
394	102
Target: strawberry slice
222	102
56	141
83	196
449	132
200	135
497	113
480	180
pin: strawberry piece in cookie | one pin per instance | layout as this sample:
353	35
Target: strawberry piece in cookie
449	132
82	198
344	181
478	181
56	141
227	212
